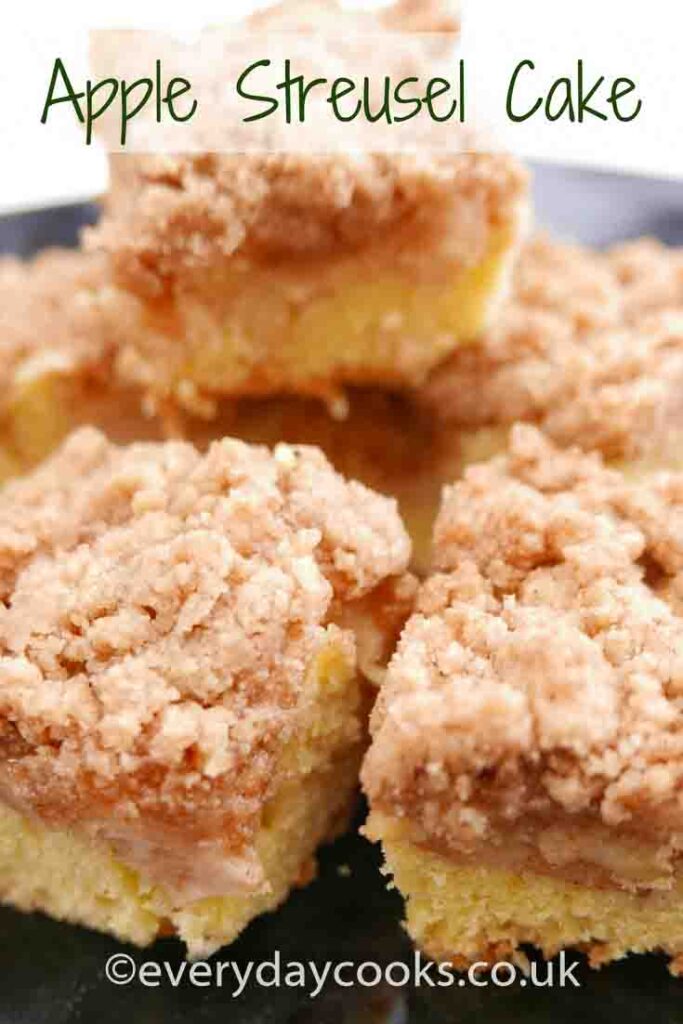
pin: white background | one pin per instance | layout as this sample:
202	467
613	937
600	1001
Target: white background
40	165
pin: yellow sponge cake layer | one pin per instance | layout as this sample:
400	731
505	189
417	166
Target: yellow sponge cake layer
72	878
468	912
303	328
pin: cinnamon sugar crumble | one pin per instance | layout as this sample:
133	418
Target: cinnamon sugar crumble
542	673
589	347
160	610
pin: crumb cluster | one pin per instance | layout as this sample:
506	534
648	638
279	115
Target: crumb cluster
50	318
159	612
542	673
589	347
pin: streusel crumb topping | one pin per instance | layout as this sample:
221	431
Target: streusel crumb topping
589	347
542	673
160	610
170	214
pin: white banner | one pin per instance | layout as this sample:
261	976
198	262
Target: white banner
591	83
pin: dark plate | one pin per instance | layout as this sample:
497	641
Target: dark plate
55	973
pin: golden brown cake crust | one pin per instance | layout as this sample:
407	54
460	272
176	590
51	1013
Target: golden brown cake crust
541	676
167	215
159	612
589	347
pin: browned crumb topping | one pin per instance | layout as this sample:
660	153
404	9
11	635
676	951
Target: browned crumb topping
542	673
589	347
169	214
49	315
159	612
650	277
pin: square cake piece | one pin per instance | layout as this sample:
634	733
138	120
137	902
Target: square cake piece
526	769
182	706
